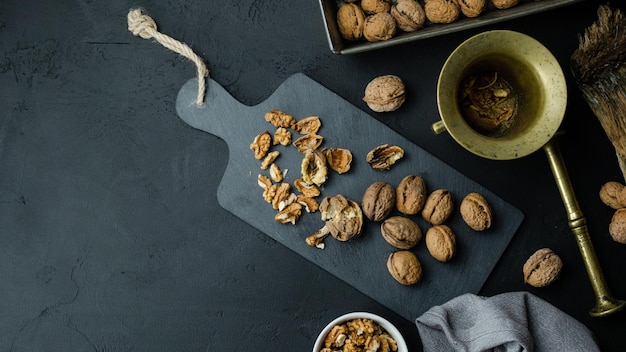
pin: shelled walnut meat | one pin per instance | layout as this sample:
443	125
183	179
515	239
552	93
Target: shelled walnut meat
358	335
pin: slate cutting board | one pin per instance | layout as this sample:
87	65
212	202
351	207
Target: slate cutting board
360	262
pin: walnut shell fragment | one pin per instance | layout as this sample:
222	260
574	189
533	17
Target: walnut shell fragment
385	93
307	189
313	168
311	141
338	159
409	15
279	118
261	145
351	20
343	217
308	125
379	27
384	156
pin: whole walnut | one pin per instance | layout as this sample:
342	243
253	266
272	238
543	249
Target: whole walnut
378	201
504	4
379	27
476	212
617	227
401	232
438	207
409	15
351	20
371	7
411	195
385	93
442	11
612	194
472	8
404	267
542	268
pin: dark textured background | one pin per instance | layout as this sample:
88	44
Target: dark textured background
111	237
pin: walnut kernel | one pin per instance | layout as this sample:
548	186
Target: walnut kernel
308	190
261	145
290	214
282	136
279	118
269	159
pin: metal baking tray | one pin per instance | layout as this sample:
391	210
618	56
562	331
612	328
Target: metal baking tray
338	45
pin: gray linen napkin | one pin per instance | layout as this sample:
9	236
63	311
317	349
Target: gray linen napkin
509	322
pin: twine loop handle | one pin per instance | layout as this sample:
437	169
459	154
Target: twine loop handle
144	26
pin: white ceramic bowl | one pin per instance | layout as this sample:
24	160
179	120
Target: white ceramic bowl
384	323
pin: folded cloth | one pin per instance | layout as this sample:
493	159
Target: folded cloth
509	322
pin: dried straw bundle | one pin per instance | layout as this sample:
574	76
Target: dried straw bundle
599	67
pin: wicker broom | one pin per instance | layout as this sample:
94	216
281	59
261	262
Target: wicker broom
599	67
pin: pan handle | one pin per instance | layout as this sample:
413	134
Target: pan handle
605	303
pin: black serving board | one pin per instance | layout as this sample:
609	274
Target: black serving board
360	262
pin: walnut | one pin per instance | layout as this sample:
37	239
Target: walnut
384	156
404	267
264	181
476	212
442	11
269	193
283	196
438	207
289	214
441	242
411	195
378	201
317	239
279	118
409	15
611	194
472	8
542	268
351	20
372	7
308	125
343	217
261	145
504	4
385	93
276	173
310	141
313	168
282	136
401	232
379	27
308	190
309	204
269	159
336	336
617	227
338	159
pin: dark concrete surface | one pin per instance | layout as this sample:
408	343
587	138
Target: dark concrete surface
111	237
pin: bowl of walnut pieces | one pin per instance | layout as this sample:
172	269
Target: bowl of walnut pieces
360	331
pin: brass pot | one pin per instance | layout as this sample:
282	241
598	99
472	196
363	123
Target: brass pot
533	72
535	76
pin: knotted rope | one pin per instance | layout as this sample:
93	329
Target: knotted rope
143	26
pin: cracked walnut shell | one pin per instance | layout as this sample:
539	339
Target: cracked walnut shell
379	27
338	159
409	15
442	11
384	156
351	20
385	93
308	125
310	141
313	167
404	267
343	217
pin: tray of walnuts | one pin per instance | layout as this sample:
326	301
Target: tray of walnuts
354	26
